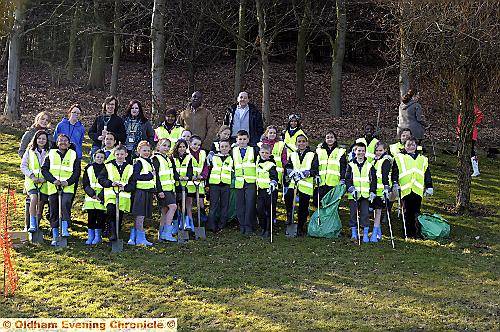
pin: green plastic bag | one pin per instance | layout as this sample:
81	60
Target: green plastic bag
433	226
329	225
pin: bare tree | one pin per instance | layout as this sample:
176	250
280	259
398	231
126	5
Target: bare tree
11	110
302	36
70	64
458	46
96	77
239	68
157	58
338	52
117	45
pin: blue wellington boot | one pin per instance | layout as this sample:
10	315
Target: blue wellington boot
97	236
65	226
33	225
189	224
374	237
366	239
131	240
379	235
55	236
354	233
141	239
90	235
161	230
167	233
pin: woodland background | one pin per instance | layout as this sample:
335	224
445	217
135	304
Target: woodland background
337	63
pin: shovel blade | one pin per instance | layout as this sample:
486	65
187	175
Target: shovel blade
62	242
117	246
182	236
291	230
200	233
36	237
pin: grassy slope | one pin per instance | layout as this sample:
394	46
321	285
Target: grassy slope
229	282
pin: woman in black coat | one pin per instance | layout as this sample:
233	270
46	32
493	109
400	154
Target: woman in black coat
108	121
137	127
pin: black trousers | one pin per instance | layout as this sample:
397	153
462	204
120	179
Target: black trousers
412	204
245	207
96	219
362	205
219	206
264	208
302	211
110	227
67	201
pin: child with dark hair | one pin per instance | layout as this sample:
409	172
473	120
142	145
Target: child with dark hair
267	185
292	131
383	164
31	166
169	128
93	202
361	181
332	164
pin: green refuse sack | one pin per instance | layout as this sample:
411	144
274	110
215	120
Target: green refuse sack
433	226
330	225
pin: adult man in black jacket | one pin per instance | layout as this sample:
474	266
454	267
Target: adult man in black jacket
245	116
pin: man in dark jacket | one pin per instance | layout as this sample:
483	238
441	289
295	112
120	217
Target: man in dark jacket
245	116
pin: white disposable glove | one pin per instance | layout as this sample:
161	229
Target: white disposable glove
210	157
372	197
396	187
272	187
429	192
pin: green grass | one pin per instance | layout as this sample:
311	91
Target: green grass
230	282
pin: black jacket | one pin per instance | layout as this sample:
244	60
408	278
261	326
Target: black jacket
255	126
115	125
73	179
372	175
107	183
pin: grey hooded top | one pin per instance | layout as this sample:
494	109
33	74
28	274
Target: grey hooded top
410	116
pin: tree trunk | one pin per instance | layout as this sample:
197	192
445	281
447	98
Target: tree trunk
116	50
264	51
239	69
464	149
70	64
157	59
405	59
11	109
300	64
97	74
338	51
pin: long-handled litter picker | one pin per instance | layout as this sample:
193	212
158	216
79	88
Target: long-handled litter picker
388	217
357	217
402	213
291	229
182	233
199	231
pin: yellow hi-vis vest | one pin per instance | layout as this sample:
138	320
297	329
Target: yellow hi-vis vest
61	170
165	173
277	152
221	170
244	169
35	166
146	169
306	185
370	148
197	169
411	173
291	141
173	135
361	180
399	147
378	168
111	156
89	203
263	180
329	166
182	167
114	176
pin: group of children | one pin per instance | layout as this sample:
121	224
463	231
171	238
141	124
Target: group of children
372	173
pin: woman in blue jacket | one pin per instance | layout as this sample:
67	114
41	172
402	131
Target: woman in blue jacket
73	128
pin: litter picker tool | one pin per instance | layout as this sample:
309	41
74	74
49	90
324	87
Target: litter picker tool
403	214
182	233
317	189
199	231
291	228
357	216
61	240
388	217
117	243
271	217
